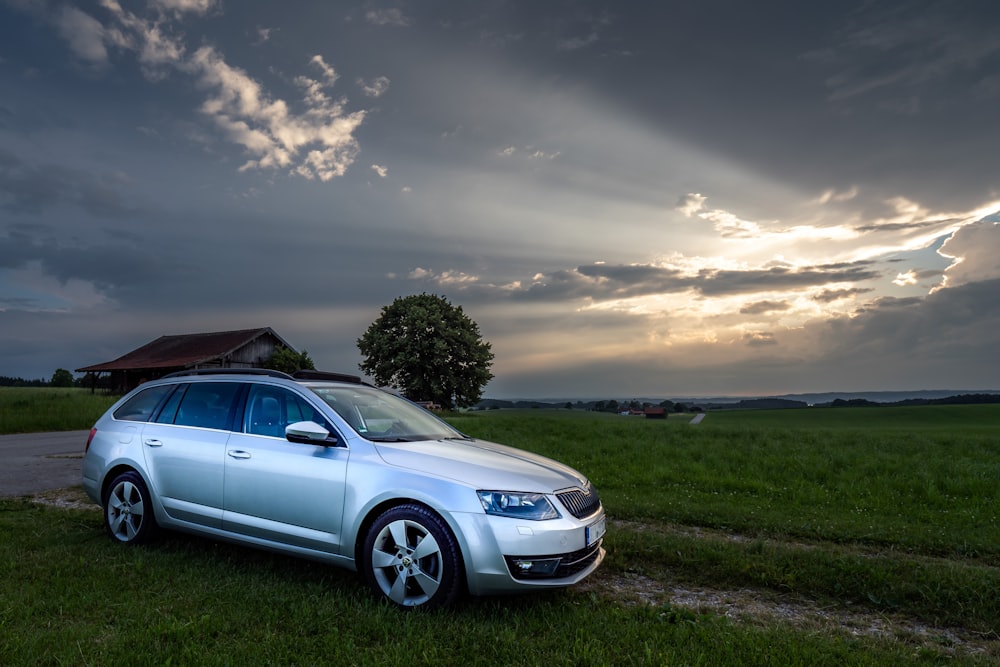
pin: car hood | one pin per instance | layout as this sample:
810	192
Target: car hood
483	465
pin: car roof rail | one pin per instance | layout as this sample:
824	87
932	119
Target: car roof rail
307	374
230	371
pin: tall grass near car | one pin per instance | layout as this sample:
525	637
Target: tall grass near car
39	409
896	509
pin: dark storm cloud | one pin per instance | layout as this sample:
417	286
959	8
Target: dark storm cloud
763	307
110	265
895	54
634	275
896	96
891	303
621	281
928	274
602	282
831	295
31	189
17	303
906	226
719	283
947	339
759	339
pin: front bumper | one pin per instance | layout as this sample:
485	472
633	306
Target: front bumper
498	550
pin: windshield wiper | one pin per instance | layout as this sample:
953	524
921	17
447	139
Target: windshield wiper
416	438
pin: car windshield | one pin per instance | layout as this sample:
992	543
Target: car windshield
380	416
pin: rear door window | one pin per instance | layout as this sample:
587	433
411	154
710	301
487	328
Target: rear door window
208	405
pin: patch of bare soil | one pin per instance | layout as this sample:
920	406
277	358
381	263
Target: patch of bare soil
73	497
767	610
764	608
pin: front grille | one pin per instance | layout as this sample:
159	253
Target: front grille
580	503
569	564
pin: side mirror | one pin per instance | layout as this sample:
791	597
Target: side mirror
309	433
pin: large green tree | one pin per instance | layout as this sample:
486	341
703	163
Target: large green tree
287	361
429	349
61	378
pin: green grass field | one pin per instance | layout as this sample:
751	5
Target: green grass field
39	409
806	537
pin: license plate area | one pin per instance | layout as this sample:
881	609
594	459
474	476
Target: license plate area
596	530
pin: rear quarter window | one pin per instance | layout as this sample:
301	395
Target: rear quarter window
140	407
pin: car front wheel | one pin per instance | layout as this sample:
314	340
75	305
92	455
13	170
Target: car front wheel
128	512
412	558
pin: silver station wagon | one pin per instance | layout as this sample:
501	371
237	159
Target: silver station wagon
323	466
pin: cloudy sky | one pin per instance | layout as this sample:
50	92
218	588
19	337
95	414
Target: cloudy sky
630	199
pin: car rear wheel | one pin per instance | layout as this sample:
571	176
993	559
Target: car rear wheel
128	512
412	558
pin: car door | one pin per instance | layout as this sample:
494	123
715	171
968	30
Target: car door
282	491
185	449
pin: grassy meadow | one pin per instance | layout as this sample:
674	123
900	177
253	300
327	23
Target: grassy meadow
40	409
805	537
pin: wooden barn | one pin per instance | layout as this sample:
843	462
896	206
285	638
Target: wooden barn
246	348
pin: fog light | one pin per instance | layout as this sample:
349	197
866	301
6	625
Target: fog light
536	567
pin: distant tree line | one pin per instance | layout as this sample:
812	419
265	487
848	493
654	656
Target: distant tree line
6	381
60	378
960	399
616	406
607	405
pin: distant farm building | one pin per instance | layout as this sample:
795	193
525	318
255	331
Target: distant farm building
246	348
647	412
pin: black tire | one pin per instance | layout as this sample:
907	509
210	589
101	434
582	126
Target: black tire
411	558
128	510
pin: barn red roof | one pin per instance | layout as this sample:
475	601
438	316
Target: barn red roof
183	350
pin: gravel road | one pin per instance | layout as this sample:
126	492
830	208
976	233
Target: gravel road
36	462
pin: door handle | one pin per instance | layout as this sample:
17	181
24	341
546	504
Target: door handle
238	454
153	442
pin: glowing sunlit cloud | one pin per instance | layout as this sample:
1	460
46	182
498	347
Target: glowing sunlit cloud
376	88
971	250
318	143
84	34
266	127
330	75
179	7
690	204
731	227
832	195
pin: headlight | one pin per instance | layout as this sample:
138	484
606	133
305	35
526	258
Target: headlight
531	506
